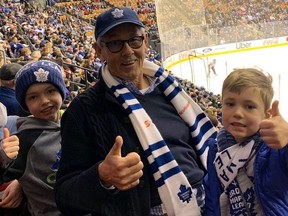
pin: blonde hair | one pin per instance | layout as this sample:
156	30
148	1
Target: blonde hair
241	79
36	54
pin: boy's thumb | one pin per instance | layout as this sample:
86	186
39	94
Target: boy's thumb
6	133
275	109
116	149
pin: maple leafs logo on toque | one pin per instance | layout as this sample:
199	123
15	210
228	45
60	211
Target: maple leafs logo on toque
41	75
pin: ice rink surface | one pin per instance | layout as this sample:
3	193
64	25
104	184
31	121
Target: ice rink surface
273	60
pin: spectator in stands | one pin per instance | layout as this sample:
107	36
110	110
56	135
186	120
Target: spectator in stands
152	58
35	55
15	46
72	89
25	55
11	196
247	167
40	89
86	75
9	145
213	119
112	152
7	89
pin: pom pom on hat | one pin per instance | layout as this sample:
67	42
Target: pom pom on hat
41	71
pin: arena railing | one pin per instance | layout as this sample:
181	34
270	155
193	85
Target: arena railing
87	84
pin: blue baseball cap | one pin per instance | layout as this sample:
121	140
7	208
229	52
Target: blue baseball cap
113	17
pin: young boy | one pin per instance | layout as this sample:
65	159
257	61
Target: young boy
247	176
9	148
9	145
40	89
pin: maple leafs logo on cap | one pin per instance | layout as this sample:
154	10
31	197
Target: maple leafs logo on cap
117	13
41	75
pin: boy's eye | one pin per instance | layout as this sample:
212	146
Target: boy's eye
52	90
229	104
32	97
250	107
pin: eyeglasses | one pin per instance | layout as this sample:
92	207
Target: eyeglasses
115	46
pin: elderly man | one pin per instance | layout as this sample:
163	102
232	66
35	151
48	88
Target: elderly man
131	144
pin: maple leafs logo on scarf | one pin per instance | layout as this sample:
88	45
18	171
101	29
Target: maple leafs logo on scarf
185	193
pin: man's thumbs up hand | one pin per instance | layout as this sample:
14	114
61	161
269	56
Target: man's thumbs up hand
116	149
274	130
120	172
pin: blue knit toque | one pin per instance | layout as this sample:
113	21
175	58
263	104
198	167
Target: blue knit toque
42	71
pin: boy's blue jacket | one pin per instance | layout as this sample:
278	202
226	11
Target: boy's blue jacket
270	180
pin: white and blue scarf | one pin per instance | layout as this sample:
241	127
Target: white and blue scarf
234	164
174	189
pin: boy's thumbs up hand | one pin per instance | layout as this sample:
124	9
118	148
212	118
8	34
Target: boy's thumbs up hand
6	133
10	144
118	171
274	130
275	109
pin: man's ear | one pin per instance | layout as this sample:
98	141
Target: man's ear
98	51
146	42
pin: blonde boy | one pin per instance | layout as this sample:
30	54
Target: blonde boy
246	175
